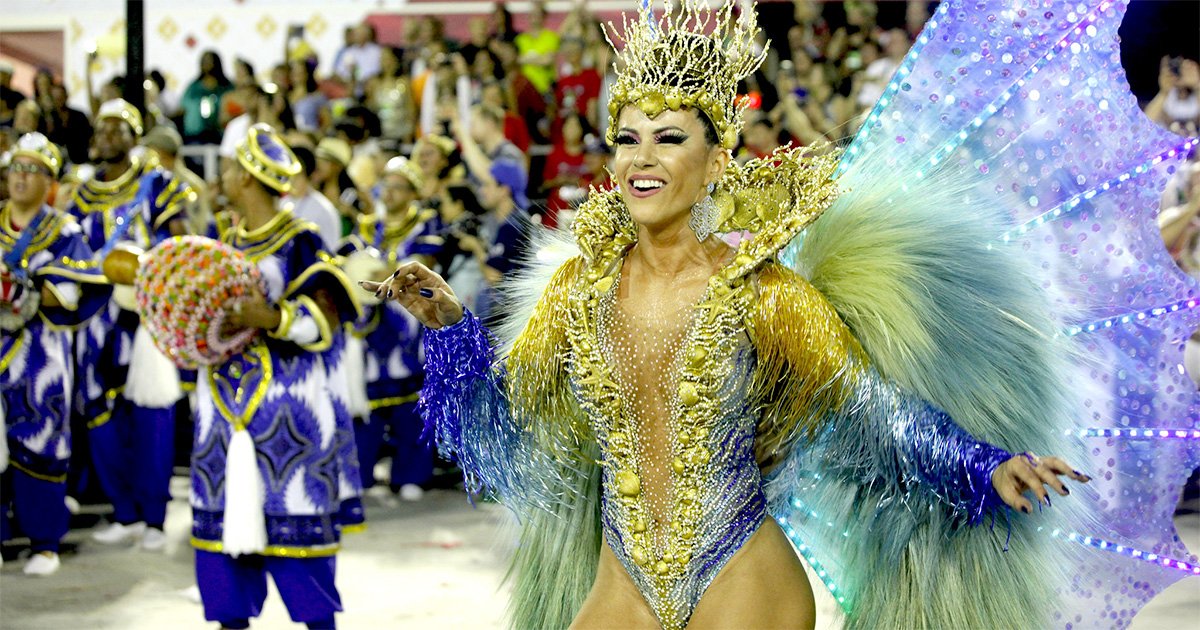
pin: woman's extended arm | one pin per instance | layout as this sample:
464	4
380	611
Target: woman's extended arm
816	382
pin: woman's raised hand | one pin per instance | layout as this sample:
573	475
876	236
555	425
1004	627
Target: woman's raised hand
421	292
1026	472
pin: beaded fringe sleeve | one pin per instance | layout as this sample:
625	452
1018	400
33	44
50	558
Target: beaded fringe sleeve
511	424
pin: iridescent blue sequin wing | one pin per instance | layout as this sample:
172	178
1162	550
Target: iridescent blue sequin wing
1015	119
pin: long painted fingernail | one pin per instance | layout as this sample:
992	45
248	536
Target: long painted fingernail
1066	490
389	294
426	293
395	273
1026	509
1048	501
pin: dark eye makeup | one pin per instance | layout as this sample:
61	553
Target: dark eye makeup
665	136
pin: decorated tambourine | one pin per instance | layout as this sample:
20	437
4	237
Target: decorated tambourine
184	288
366	264
19	300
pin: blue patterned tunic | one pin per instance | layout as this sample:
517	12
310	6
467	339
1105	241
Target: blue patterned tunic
281	389
35	362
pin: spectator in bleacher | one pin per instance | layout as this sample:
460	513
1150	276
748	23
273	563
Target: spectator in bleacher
426	38
565	167
359	127
878	71
305	98
201	102
9	97
43	80
536	49
502	239
68	127
477	40
310	204
500	24
361	59
578	86
435	157
760	137
237	101
461	217
484	144
390	96
1177	104
254	101
331	179
28	117
447	91
165	99
492	92
527	101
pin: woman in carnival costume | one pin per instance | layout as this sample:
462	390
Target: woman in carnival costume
272	444
389	336
977	274
48	284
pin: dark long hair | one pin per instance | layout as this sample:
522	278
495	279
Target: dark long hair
218	67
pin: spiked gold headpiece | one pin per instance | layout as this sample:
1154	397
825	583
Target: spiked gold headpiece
690	56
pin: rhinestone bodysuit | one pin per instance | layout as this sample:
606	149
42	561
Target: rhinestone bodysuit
669	557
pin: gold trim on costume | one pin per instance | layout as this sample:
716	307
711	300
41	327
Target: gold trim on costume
393	401
277	551
325	331
260	351
54	479
18	341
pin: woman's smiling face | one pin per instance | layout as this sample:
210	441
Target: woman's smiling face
664	164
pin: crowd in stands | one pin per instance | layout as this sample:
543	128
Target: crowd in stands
541	88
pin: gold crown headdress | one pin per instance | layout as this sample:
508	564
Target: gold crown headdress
122	109
267	157
691	56
39	147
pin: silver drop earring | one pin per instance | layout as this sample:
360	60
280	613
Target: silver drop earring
704	216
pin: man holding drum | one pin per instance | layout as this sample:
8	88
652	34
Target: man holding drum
271	449
127	388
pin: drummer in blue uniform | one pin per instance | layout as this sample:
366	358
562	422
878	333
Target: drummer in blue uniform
48	284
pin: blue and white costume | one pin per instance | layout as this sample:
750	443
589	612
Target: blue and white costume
36	370
127	388
394	358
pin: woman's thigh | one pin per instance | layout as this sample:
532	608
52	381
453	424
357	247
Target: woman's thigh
614	601
762	586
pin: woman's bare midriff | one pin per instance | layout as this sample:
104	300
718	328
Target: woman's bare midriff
762	586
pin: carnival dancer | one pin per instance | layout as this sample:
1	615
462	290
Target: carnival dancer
981	263
127	389
267	457
390	337
48	284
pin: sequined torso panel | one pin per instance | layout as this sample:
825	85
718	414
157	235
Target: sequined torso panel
681	493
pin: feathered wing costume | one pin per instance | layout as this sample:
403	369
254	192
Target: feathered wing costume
993	251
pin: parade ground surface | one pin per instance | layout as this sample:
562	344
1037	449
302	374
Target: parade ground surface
436	563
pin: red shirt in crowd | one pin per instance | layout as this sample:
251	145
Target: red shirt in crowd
561	163
578	90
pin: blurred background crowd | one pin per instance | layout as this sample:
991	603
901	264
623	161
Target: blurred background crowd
531	94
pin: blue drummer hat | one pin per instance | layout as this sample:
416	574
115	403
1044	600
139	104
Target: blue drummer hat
265	155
